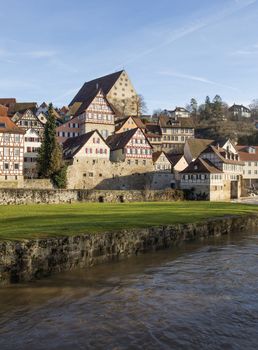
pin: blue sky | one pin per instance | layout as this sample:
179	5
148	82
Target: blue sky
172	49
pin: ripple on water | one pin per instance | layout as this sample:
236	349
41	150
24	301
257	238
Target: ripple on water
194	297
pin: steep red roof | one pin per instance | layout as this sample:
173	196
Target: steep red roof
6	125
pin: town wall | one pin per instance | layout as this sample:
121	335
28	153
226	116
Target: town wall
26	260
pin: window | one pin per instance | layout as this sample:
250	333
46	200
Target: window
16	152
90	174
6	166
16	166
6	152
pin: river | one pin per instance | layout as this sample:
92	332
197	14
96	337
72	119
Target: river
198	296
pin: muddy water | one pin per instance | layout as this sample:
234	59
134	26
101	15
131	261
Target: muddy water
198	296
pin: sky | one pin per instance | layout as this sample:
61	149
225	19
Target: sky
173	50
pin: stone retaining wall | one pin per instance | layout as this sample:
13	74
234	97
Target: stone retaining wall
37	196
31	259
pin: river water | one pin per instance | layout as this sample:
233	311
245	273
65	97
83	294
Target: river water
198	296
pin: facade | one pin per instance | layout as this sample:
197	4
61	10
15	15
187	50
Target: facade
130	146
249	155
32	143
116	87
240	111
175	132
33	126
162	177
94	114
180	112
11	151
216	174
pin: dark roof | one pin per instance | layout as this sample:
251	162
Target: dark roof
174	158
7	125
201	166
90	87
168	122
43	105
118	141
153	128
84	105
222	154
73	144
238	108
22	107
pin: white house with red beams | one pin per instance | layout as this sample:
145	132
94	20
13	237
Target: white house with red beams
11	150
93	114
130	146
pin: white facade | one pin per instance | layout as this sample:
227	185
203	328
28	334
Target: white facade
32	143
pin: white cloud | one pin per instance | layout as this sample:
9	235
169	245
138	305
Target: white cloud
195	78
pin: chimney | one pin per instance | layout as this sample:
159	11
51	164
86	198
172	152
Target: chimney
97	86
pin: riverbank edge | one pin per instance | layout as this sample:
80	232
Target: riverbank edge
26	260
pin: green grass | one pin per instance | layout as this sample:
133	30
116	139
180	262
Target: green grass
33	221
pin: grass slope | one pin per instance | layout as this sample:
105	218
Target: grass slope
33	221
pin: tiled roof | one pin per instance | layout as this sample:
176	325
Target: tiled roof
247	156
201	166
197	146
89	88
7	101
153	128
174	158
73	144
168	122
221	153
6	125
22	107
3	111
120	140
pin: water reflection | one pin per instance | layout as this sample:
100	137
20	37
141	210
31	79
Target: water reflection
198	296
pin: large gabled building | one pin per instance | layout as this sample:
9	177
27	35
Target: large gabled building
116	87
95	113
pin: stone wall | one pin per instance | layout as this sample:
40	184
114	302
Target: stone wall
44	184
37	196
27	260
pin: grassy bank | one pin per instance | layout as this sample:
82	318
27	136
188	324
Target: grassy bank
33	221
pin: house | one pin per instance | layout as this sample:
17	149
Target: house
130	146
128	123
43	108
87	157
94	114
154	135
116	87
162	176
3	111
178	163
249	155
203	180
33	126
216	173
175	132
11	151
180	112
239	111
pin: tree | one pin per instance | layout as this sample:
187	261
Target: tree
50	161
139	105
217	107
254	108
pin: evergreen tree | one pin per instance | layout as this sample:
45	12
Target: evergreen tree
50	161
217	107
193	107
